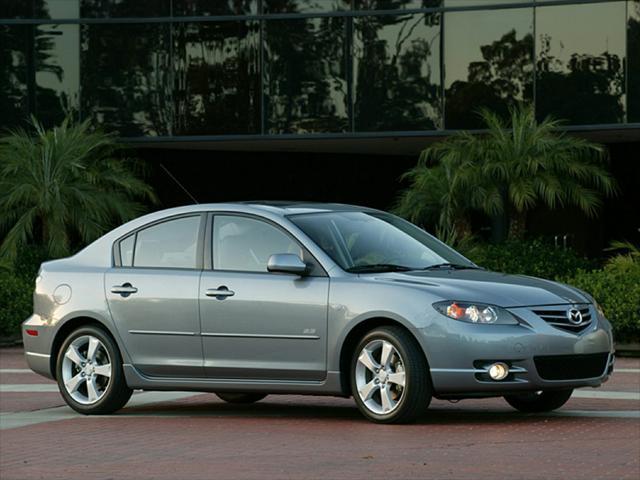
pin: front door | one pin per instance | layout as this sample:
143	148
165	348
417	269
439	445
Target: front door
256	324
153	297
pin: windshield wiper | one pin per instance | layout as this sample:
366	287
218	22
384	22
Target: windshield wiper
379	267
452	266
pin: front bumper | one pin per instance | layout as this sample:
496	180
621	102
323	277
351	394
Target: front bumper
540	356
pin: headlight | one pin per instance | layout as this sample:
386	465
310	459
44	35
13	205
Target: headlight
475	312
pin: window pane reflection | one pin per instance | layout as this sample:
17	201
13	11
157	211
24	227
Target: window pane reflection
13	74
14	9
488	63
633	54
57	61
39	8
580	56
397	72
479	3
395	4
125	8
126	77
214	7
217	84
305	75
303	6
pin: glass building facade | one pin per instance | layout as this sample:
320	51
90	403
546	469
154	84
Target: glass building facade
221	69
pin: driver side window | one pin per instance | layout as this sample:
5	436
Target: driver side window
245	244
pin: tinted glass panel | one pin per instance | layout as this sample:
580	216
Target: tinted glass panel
303	6
395	4
217	84
170	244
479	3
14	9
580	56
214	7
57	8
125	8
397	72
305	75
57	58
633	52
126	251
13	74
126	77
39	8
244	244
488	63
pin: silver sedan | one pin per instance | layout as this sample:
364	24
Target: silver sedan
250	299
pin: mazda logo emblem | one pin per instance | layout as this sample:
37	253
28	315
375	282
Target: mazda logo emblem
575	316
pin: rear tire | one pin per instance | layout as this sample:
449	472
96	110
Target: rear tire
240	398
536	402
390	379
89	372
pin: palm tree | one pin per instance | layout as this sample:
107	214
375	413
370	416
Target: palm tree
64	187
513	168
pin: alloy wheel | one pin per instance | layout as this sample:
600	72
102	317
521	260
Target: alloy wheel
86	369
380	376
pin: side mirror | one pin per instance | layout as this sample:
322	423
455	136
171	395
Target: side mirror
286	263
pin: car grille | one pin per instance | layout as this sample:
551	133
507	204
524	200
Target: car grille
571	367
559	318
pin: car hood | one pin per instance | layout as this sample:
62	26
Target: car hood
488	287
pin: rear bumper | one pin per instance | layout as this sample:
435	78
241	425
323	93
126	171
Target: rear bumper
540	357
37	349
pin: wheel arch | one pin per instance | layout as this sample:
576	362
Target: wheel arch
70	325
354	335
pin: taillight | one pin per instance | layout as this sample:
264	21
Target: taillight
33	333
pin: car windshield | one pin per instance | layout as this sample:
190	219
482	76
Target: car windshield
363	241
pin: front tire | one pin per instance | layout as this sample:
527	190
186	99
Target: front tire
390	377
89	372
542	401
240	398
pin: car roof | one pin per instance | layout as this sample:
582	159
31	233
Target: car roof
284	207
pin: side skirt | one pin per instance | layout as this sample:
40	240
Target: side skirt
330	386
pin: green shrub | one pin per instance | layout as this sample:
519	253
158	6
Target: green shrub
617	289
16	293
535	257
17	282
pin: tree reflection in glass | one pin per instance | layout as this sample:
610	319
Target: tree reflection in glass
305	75
488	63
397	72
217	84
13	74
580	56
303	6
126	77
633	55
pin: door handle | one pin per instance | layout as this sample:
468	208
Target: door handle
220	292
125	289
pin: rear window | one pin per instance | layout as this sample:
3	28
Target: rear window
170	244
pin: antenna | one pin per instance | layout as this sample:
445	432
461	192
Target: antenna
179	184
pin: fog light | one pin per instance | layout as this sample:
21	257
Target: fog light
499	371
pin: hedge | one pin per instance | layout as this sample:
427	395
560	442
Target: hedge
16	297
534	257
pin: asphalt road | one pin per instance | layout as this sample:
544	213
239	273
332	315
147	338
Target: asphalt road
180	435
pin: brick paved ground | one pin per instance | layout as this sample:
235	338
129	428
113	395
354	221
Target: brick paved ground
312	437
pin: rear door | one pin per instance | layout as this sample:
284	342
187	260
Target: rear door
152	294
